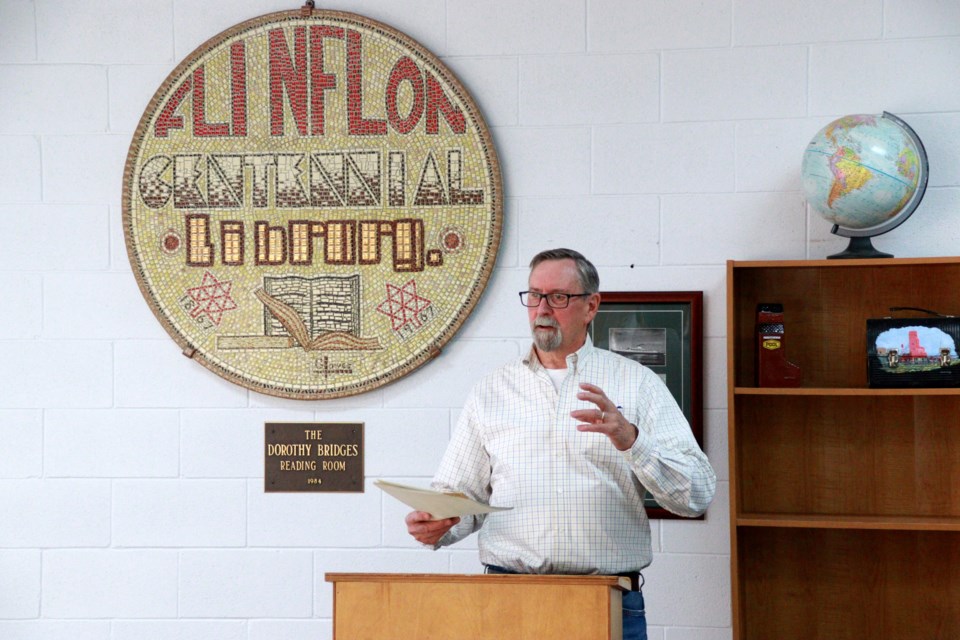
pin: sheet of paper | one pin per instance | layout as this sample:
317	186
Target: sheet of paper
437	503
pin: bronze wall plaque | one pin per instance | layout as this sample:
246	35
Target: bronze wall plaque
313	456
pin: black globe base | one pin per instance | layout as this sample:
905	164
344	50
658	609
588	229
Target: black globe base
860	248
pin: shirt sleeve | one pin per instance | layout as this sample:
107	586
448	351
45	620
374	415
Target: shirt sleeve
465	467
666	457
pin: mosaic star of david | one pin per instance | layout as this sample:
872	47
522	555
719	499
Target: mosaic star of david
403	304
212	298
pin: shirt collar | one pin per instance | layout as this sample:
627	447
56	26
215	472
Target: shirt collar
533	363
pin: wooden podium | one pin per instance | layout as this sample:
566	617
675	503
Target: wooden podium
405	606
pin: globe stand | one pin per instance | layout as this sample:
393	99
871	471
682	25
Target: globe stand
860	247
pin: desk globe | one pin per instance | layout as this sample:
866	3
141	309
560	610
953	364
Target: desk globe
866	174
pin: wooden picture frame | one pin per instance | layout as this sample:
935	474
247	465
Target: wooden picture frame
664	331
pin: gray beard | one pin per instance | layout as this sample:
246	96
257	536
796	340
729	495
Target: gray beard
544	341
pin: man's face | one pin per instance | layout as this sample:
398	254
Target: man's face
560	330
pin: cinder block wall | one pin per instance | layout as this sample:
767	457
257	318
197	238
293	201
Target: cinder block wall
660	138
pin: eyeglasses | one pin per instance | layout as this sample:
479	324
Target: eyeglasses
554	300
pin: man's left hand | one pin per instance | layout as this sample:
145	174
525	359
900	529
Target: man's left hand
605	419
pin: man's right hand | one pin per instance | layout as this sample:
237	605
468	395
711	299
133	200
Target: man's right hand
426	530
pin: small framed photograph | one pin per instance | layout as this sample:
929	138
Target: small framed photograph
662	331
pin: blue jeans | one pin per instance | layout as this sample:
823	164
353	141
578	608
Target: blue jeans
634	617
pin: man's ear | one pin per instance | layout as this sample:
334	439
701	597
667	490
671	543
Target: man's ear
593	305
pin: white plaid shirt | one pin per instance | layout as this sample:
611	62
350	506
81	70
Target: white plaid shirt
577	501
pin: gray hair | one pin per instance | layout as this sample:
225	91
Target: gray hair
589	278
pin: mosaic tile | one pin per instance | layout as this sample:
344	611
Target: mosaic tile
312	204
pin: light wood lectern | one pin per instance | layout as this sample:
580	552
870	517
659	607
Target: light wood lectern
404	606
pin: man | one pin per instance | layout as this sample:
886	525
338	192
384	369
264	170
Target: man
569	436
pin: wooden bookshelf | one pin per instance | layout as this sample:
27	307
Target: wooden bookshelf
845	500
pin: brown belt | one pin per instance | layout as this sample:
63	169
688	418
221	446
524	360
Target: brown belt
636	578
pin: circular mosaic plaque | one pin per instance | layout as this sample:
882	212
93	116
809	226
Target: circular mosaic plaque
312	204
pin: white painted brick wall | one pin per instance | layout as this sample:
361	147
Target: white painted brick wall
346	520
907	77
941	136
179	513
767	152
696	633
728	84
711	280
906	19
759	22
43	92
372	399
488	320
711	537
447	372
99	305
591	89
49	629
128	37
659	138
22	159
131	87
110	583
18	34
53	237
21	455
251	583
534	26
700	599
20	582
21	315
645	25
111	443
493	84
228	443
715	421
400	441
663	158
53	513
544	161
714	374
48	374
67	177
708	229
179	630
138	361
285	629
634	217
